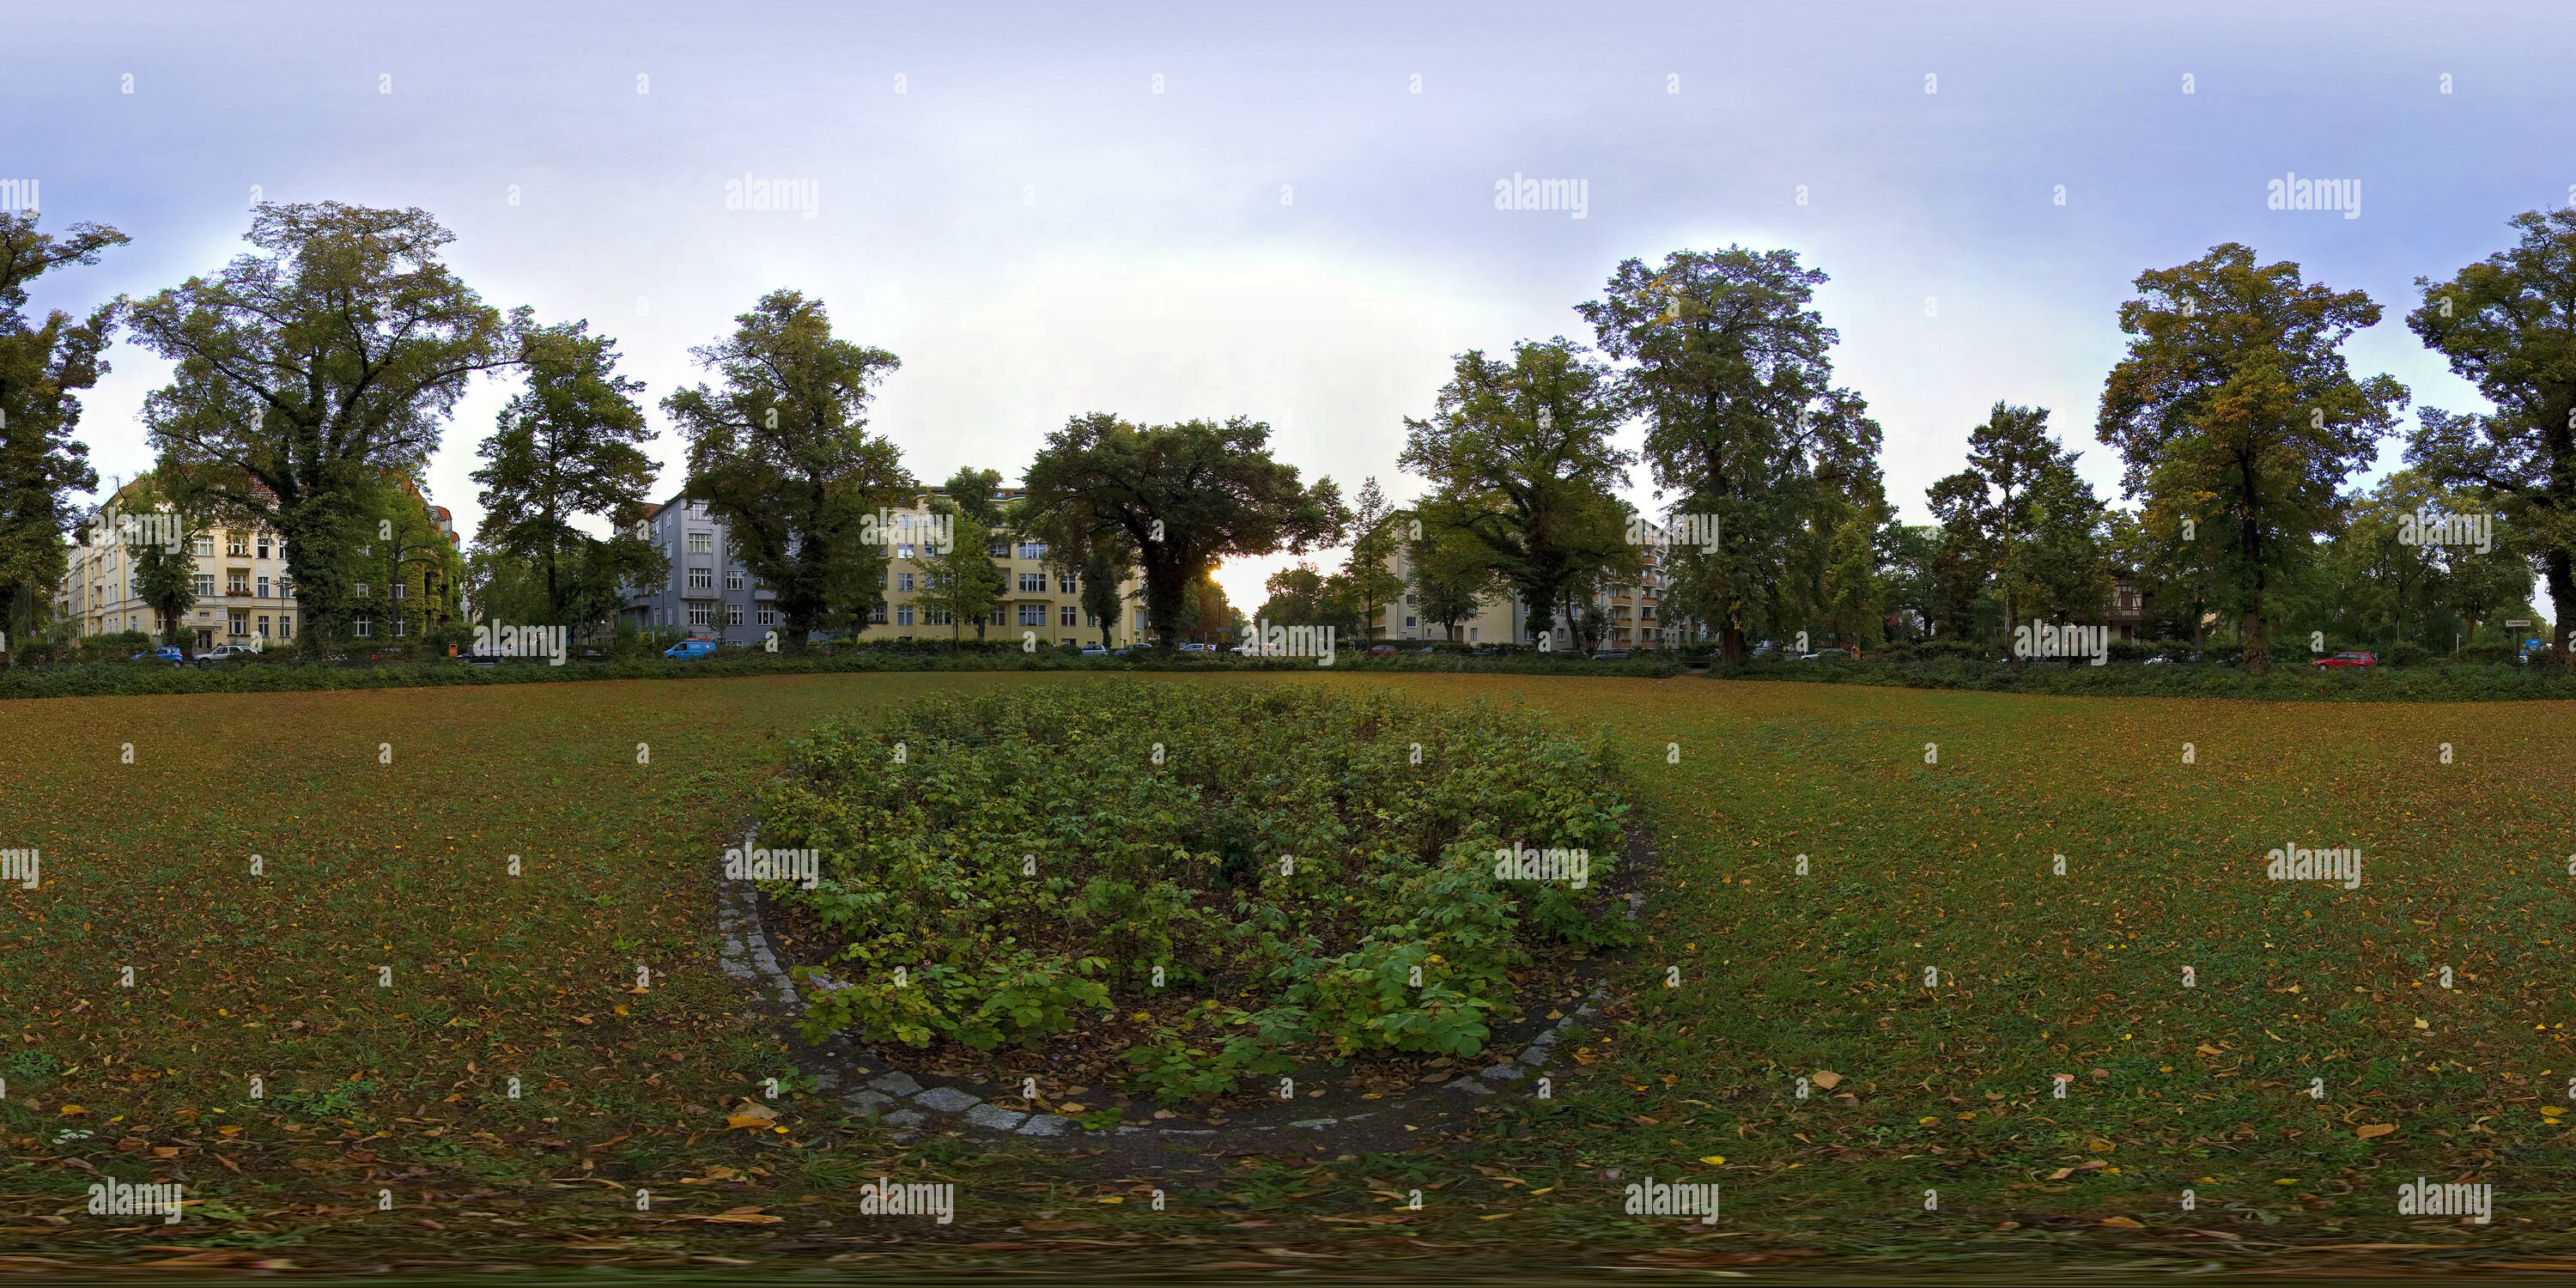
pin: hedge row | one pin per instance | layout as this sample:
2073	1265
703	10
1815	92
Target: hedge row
2291	681
97	679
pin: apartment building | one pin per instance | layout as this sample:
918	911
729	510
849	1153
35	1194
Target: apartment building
1635	611
712	595
242	589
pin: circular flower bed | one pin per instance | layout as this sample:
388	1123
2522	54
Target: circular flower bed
1209	884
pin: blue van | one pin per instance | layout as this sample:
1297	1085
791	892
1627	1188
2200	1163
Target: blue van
687	650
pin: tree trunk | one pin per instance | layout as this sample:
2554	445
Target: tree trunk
2561	568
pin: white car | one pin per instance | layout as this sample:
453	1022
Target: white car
226	653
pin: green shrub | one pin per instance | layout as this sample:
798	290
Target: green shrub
1024	856
2409	653
2488	655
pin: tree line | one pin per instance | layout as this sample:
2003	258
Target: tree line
331	356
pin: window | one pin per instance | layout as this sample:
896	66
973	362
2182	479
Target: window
237	582
996	616
938	617
358	626
1033	550
876	615
1066	586
701	614
263	545
203	584
1000	550
1066	615
903	551
1409	623
702	543
362	590
203	547
767	616
1140	619
903	615
400	587
733	579
903	581
1408	599
702	579
1032	614
1471	634
733	614
1032	583
235	545
400	622
285	627
263	587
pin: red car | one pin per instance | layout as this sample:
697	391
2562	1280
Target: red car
2348	659
1382	650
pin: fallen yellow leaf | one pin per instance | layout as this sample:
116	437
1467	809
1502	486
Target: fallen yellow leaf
2375	1130
1826	1078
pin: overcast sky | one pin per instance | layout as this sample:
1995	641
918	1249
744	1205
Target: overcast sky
1287	211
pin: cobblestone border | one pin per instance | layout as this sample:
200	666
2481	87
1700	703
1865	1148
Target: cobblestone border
902	1101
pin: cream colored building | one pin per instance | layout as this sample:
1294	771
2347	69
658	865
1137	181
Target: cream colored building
1636	620
242	589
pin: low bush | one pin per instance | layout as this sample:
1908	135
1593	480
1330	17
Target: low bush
997	865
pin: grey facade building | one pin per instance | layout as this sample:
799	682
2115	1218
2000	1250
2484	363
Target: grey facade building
709	594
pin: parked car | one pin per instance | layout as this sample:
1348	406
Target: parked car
1095	650
163	653
226	653
1611	655
1381	650
388	655
2342	660
690	650
1487	651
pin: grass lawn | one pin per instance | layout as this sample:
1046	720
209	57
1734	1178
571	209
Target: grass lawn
1911	866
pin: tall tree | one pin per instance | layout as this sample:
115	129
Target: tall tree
42	369
1450	580
165	563
1182	497
2508	325
1732	373
1375	538
1103	569
782	455
2033	522
568	447
2235	387
1522	470
307	370
965	583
